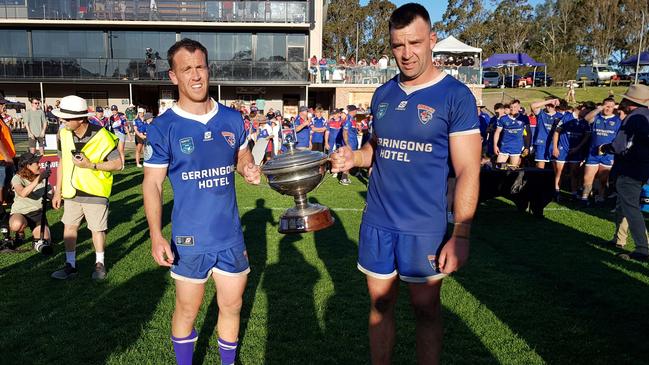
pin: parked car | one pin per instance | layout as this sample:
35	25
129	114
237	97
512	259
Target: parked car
643	78
539	78
595	73
507	80
491	79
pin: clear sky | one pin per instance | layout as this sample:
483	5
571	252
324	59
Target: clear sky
436	8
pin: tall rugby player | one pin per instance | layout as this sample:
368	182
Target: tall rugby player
424	119
199	144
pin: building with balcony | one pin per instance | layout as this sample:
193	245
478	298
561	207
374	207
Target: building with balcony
114	52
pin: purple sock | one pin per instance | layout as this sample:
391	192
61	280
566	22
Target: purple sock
228	351
184	348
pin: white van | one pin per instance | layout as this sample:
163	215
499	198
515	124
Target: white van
595	73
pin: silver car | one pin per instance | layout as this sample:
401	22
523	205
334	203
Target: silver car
491	79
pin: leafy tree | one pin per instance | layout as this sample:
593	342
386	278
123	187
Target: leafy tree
375	34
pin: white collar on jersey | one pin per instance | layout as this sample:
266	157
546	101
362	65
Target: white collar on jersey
204	118
606	116
411	89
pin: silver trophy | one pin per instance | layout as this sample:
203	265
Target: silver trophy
296	173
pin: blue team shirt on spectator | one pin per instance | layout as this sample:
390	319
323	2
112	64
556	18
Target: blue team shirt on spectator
334	139
412	126
512	133
318	137
118	123
141	125
199	152
304	134
603	131
352	136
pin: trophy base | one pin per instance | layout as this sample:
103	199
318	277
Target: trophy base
312	218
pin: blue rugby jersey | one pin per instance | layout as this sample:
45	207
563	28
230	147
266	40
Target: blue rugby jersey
199	152
603	131
512	134
318	137
544	124
334	126
412	126
352	136
304	134
571	131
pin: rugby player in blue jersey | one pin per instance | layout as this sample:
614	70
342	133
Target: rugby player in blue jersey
199	144
513	128
302	126
318	129
423	119
568	144
604	124
546	118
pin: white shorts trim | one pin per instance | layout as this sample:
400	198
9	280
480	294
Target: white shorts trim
538	160
510	154
376	275
562	162
232	274
608	167
190	280
214	270
422	280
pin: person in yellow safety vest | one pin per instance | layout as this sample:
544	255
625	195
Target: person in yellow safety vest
88	156
7	154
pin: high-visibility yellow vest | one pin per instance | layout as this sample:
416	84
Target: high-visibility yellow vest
94	182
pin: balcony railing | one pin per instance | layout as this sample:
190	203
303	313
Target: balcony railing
339	74
164	10
98	69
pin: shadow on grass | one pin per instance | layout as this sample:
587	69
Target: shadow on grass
293	333
555	290
254	225
346	315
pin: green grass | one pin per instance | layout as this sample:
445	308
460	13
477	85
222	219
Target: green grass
530	95
534	291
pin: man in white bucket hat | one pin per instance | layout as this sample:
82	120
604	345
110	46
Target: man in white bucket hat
631	167
88	155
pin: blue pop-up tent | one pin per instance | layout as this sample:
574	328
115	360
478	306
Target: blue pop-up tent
513	60
633	60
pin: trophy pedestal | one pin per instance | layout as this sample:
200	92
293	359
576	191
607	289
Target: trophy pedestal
312	217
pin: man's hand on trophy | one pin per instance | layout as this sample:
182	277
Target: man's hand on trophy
252	173
342	159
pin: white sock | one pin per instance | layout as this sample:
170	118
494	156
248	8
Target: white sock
100	257
71	258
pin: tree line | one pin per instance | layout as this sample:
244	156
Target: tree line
560	33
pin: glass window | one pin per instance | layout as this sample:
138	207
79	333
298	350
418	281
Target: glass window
16	46
297	40
68	43
132	44
233	47
271	47
206	39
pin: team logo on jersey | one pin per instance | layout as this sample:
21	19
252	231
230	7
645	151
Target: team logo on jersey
184	240
432	260
402	105
611	123
187	145
207	136
148	151
425	113
383	108
229	137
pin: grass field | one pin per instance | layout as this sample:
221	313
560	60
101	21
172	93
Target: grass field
534	291
530	95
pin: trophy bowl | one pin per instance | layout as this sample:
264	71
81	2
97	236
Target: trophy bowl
296	173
